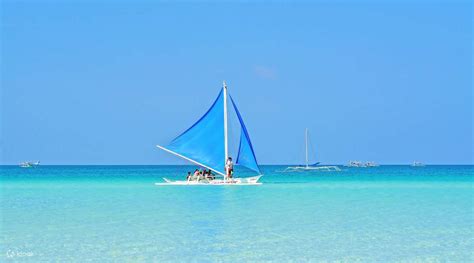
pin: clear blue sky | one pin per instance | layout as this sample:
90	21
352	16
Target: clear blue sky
102	83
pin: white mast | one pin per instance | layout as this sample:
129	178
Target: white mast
226	150
306	144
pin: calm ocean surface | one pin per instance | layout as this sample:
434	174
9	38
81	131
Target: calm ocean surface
116	213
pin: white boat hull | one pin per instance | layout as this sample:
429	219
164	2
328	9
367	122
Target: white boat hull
312	168
234	181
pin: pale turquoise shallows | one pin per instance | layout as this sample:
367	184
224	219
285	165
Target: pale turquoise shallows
116	213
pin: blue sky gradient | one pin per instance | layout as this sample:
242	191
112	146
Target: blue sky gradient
102	83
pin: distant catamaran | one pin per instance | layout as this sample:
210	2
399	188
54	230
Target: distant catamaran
308	166
206	144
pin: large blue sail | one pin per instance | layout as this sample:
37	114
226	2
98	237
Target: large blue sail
204	141
246	156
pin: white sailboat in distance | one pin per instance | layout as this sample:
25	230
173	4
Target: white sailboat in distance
308	166
206	144
29	164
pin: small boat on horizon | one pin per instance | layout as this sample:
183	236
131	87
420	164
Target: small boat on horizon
355	164
417	164
29	164
310	167
371	164
206	144
359	164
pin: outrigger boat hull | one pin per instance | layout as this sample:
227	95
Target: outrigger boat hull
312	168
234	181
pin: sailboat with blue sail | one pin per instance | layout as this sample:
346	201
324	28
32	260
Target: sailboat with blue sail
308	166
206	144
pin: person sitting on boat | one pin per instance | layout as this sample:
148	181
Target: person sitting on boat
229	167
202	175
188	177
195	175
208	175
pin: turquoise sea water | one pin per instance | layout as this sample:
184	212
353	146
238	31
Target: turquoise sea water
116	213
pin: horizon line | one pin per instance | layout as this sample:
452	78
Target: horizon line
380	164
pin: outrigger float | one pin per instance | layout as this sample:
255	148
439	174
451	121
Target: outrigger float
206	144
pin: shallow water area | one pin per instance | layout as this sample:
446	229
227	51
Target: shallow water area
110	213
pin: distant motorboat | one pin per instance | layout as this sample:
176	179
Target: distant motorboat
310	167
371	164
360	164
417	164
356	164
29	164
